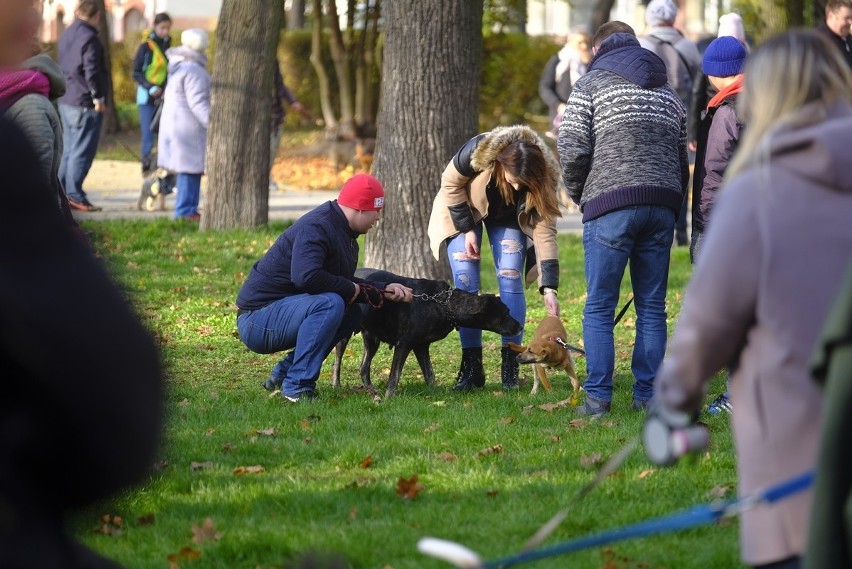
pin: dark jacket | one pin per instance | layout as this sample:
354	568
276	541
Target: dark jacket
623	141
81	58
554	92
316	254
844	45
68	435
143	58
718	137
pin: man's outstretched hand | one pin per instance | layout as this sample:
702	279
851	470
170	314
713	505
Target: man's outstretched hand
396	292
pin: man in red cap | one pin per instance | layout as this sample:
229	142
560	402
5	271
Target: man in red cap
298	296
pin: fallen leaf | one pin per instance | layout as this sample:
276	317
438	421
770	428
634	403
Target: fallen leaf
718	491
555	438
447	456
491	493
241	470
647	473
228	447
146	520
577	423
184	402
498	393
528	408
551	407
591	460
266	432
205	533
507	420
308	440
368	460
409	488
210	432
432	428
494	449
305	424
439	403
200	465
185	554
353	513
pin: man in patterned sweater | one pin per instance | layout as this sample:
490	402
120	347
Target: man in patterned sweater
622	147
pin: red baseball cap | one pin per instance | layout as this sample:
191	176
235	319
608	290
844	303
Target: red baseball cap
362	192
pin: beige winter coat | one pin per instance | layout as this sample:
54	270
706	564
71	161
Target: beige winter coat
772	264
456	188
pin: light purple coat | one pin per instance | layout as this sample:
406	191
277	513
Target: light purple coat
772	264
186	109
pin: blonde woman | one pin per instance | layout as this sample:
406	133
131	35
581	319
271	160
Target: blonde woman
772	263
504	180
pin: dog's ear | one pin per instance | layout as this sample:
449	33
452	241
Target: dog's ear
516	348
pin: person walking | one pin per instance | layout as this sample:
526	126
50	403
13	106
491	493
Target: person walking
683	64
504	181
771	263
299	295
150	70
561	72
182	145
81	108
838	21
622	146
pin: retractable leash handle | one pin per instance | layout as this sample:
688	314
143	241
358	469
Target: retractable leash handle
668	435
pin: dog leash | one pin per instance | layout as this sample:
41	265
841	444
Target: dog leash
703	514
622	311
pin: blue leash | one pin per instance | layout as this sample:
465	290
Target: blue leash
695	516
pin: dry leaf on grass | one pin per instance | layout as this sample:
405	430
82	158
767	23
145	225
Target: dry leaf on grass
185	554
353	513
507	420
439	403
447	456
409	488
200	465
146	520
647	473
719	491
591	460
205	533
367	462
494	449
551	407
432	428
555	438
241	470
577	423
111	525
491	493
266	432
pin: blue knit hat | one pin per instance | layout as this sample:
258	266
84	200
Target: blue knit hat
724	57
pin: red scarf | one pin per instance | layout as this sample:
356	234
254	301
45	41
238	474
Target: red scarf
17	83
732	89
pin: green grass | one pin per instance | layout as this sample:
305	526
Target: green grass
314	494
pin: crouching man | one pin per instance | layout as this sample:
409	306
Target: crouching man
299	295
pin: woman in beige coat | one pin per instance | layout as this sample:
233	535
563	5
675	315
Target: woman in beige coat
505	180
772	263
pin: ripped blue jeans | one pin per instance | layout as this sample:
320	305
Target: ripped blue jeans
509	249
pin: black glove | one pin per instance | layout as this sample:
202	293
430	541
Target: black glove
668	434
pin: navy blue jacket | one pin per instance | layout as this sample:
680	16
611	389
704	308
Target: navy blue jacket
81	58
316	254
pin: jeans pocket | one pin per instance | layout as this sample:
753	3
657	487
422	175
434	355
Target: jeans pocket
612	228
665	220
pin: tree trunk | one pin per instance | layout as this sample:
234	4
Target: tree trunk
600	15
328	115
341	69
238	142
429	108
296	16
365	118
110	124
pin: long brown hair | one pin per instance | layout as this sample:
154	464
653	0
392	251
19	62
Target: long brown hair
525	162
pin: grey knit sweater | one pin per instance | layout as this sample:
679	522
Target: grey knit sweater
622	141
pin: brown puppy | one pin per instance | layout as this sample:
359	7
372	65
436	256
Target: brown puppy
549	350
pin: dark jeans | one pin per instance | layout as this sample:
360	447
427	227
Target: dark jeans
188	194
146	115
310	323
641	236
791	563
81	130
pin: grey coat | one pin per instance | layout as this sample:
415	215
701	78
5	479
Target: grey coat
772	263
186	110
37	117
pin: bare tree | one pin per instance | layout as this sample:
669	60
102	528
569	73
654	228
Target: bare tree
238	141
429	107
296	15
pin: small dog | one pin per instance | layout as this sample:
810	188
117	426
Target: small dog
155	188
549	350
414	326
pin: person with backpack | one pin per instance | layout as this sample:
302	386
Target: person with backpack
150	70
683	63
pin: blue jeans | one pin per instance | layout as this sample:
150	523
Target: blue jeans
81	130
310	323
146	115
188	194
509	249
641	235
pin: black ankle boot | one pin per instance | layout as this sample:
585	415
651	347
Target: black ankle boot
471	373
509	368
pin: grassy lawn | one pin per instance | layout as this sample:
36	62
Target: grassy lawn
330	468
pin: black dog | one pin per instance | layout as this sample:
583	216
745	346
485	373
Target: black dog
408	327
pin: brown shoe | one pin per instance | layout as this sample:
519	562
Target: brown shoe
83	205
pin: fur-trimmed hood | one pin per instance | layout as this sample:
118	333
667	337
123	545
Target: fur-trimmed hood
496	140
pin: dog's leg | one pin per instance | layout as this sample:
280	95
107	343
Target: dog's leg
339	350
400	354
422	354
575	382
371	346
540	377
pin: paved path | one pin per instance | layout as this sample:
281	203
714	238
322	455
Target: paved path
114	185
